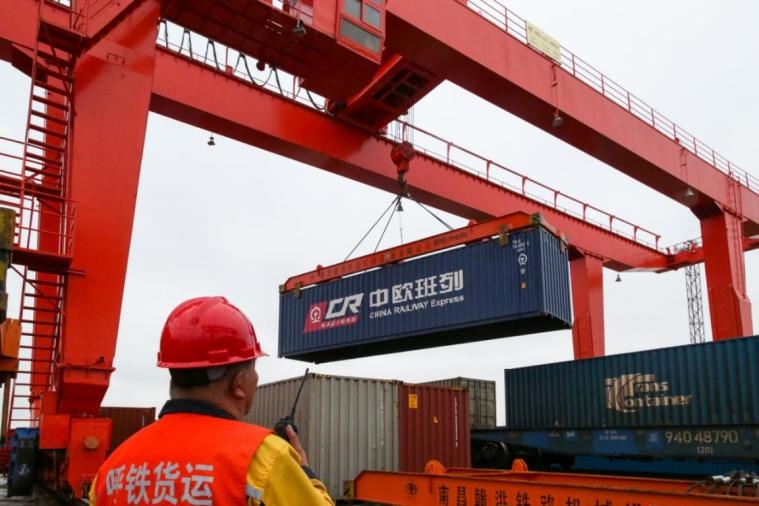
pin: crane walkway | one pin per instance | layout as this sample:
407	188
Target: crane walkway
505	19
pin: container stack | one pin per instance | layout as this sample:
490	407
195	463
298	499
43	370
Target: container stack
348	425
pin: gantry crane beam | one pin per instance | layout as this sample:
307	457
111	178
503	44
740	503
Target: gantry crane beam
482	58
260	118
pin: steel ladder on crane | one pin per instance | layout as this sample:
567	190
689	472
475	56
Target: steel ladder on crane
45	217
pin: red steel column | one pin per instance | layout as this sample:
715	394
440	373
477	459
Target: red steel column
112	89
729	305
588	306
113	83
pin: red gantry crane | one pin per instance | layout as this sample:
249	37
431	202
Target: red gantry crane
97	69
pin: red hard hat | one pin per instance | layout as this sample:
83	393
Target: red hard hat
207	332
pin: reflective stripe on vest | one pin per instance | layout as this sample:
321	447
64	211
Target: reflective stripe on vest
182	459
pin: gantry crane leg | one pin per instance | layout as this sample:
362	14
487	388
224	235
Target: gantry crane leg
112	89
587	305
729	306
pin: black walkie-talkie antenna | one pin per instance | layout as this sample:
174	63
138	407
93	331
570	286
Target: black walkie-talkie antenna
297	396
281	426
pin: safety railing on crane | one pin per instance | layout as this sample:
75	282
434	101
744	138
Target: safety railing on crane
494	172
232	62
33	207
686	246
505	19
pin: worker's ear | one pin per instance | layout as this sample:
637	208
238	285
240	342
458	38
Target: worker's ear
237	385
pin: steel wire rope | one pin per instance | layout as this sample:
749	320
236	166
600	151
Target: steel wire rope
400	220
438	218
395	207
371	228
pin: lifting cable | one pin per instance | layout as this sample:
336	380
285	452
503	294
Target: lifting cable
392	204
401	155
400	219
438	218
396	205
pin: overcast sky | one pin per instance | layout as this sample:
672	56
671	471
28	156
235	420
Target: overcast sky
237	221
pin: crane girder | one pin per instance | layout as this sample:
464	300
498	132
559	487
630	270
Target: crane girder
508	73
263	119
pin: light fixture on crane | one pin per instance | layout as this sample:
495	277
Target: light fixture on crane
557	119
300	30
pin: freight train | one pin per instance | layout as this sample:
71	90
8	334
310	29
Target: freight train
685	410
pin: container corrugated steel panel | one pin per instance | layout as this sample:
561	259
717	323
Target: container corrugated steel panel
475	292
347	425
715	384
126	421
434	424
481	399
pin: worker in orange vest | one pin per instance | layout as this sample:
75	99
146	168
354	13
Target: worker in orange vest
200	452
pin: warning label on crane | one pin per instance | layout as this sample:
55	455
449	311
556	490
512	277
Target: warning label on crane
543	42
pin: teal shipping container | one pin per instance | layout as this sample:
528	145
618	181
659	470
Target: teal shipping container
710	384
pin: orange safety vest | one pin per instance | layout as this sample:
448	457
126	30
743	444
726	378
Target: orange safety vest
181	459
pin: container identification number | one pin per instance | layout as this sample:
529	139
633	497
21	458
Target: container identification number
702	437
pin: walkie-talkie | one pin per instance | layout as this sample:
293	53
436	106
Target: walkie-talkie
281	425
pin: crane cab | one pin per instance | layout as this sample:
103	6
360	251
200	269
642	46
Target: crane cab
334	46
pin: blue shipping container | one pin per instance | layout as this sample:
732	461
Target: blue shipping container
480	291
24	445
708	384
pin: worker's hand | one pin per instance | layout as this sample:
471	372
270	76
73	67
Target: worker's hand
295	442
